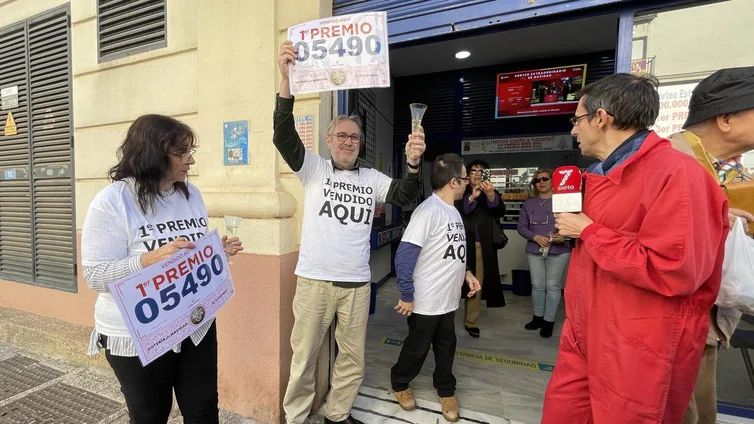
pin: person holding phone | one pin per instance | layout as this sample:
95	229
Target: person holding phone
481	208
546	252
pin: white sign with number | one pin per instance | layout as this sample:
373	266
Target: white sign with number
674	108
342	52
166	302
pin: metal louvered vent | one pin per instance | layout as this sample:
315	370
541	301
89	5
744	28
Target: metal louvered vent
128	27
16	260
37	230
51	131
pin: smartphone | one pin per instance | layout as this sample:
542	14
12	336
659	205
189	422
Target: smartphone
485	175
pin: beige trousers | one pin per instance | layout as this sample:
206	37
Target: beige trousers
474	305
314	306
703	406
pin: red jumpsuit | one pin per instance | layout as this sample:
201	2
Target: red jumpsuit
641	283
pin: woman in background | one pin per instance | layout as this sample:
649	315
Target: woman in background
481	208
546	252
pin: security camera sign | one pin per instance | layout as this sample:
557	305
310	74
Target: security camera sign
341	52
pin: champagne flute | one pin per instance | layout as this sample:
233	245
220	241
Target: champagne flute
417	113
231	228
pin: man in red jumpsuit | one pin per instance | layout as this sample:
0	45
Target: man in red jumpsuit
645	271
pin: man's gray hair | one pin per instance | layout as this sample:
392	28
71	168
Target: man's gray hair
341	118
632	101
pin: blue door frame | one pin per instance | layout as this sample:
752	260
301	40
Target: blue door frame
415	20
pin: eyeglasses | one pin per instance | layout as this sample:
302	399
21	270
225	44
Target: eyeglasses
575	119
467	179
541	179
539	221
342	137
185	156
475	172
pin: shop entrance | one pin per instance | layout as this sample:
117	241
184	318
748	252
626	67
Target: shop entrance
502	375
505	371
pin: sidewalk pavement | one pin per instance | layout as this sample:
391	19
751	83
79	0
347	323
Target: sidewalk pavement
37	389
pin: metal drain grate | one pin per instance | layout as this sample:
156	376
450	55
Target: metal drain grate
19	374
59	404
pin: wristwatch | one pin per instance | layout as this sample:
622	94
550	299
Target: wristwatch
414	167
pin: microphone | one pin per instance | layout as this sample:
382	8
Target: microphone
566	187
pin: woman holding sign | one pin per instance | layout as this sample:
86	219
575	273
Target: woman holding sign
145	216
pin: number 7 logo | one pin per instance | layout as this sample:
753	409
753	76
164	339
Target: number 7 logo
566	173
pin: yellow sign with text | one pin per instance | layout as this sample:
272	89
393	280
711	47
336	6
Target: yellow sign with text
10	125
488	358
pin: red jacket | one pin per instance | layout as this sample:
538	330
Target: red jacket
643	279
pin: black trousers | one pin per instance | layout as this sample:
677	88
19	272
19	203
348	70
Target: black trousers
192	373
437	331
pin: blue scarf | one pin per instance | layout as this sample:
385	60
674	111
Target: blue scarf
621	154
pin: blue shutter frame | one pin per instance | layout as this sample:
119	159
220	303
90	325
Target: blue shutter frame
411	20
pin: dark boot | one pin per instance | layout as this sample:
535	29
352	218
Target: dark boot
535	323
473	332
546	330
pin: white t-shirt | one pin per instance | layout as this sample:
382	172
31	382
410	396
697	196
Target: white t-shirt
338	215
116	228
439	274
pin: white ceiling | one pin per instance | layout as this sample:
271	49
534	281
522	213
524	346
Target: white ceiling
578	36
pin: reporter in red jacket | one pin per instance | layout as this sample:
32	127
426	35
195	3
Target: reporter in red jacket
645	270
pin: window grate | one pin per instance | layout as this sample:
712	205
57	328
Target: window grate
129	27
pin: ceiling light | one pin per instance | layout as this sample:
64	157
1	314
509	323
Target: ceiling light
463	54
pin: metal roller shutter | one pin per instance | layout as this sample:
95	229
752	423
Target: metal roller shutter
37	226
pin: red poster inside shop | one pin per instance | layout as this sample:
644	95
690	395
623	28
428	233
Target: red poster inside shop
539	92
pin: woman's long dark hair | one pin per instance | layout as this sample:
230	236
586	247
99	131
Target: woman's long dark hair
145	156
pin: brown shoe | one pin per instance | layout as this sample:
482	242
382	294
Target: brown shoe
406	400
450	408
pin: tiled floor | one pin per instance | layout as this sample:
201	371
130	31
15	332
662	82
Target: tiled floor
505	372
93	387
379	406
497	374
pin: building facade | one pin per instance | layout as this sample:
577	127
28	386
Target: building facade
76	73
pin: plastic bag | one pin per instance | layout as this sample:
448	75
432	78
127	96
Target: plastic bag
737	287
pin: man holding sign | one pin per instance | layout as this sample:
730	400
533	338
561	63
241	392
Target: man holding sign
333	267
645	271
340	53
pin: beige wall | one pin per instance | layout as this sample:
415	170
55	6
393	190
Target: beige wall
12	11
219	65
691	43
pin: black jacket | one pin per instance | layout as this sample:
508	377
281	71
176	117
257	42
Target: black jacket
481	219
